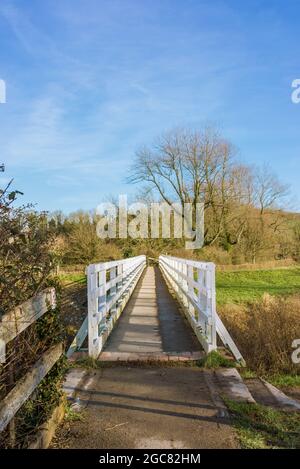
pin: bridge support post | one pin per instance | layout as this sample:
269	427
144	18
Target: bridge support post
184	272
96	308
211	305
113	290
191	292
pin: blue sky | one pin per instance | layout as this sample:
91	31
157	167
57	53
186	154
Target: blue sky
89	81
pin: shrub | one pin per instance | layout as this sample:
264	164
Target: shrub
25	254
26	260
264	332
214	254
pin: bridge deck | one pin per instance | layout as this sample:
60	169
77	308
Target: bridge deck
151	321
147	406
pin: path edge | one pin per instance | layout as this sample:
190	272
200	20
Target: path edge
47	430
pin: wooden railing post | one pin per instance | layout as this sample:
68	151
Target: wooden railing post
113	290
185	287
211	305
120	272
190	273
96	308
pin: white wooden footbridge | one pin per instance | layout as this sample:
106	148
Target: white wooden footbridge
135	310
139	311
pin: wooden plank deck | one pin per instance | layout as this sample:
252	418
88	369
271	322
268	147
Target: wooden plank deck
151	322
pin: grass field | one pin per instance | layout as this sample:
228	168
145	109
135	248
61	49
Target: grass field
246	286
72	277
238	286
261	427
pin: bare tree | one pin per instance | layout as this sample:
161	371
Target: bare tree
268	189
192	167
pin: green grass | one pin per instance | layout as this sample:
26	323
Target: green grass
215	360
284	381
72	278
246	373
237	287
279	380
261	427
247	286
72	415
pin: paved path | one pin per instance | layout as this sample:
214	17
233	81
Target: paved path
140	406
125	407
151	321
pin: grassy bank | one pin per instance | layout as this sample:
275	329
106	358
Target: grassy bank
239	286
261	427
248	286
72	277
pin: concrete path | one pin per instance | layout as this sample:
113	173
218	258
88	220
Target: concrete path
125	407
151	321
145	406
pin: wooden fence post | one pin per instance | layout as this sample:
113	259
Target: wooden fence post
93	313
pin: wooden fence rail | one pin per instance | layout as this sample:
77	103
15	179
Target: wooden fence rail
11	325
26	385
19	318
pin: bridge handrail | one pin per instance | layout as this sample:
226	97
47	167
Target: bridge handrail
195	286
190	262
109	285
99	266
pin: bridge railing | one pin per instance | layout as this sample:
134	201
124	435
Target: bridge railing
109	286
195	287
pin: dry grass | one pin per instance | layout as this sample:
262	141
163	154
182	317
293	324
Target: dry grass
264	332
275	264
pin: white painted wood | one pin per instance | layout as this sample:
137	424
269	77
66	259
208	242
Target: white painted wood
103	308
210	330
10	405
79	338
93	308
113	289
177	278
228	341
191	293
201	307
2	351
